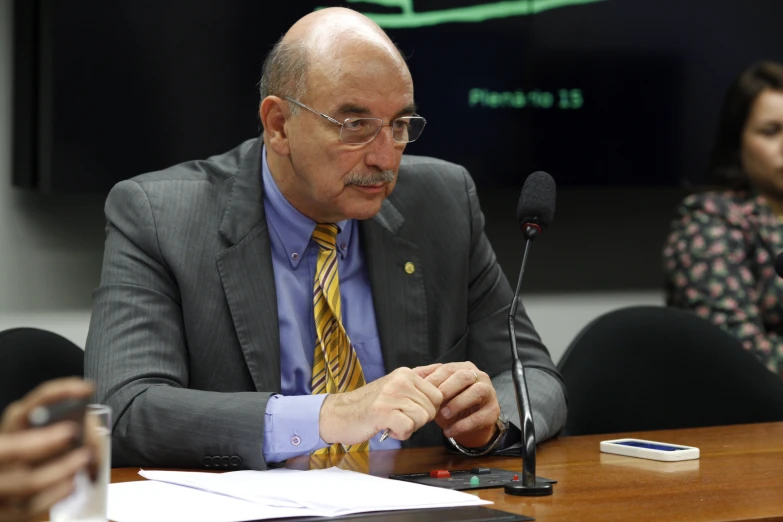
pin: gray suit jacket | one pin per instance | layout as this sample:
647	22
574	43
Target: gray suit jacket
184	342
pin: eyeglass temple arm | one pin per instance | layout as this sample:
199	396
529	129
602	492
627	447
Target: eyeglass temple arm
322	115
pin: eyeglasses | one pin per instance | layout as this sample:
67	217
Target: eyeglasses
359	131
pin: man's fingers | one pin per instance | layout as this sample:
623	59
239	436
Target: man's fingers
400	425
49	392
36	445
418	414
406	384
475	395
440	375
431	394
460	381
407	418
478	420
411	398
425	371
23	482
437	377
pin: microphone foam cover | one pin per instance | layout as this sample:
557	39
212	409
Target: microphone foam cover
537	201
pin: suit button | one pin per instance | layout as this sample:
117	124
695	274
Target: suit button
236	461
208	461
224	461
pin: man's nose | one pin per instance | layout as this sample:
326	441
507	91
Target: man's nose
383	150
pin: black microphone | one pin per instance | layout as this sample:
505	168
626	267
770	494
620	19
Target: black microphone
535	212
779	265
536	207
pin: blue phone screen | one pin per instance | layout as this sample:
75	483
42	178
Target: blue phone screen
647	445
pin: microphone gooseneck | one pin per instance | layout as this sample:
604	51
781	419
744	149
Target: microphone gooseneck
535	213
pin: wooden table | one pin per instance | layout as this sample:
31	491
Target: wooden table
738	477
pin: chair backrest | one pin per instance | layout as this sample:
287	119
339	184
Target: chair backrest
29	356
649	368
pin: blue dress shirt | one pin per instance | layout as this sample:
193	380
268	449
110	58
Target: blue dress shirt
291	425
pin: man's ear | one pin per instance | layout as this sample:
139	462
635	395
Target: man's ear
273	113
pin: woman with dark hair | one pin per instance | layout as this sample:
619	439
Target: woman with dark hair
719	257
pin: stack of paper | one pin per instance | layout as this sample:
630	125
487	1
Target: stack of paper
281	493
152	501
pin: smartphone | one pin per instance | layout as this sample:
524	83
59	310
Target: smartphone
649	449
72	410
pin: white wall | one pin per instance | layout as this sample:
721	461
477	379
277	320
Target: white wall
559	317
51	248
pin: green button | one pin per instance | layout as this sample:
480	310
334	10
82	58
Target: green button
474	480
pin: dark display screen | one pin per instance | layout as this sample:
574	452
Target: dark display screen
596	92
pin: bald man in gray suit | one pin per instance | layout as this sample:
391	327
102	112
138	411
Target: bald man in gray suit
203	330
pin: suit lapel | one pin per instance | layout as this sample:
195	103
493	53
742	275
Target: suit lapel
246	272
397	281
393	263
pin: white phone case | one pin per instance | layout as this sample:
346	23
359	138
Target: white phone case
682	453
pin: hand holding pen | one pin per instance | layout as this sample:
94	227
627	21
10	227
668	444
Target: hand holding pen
423	372
468	398
400	402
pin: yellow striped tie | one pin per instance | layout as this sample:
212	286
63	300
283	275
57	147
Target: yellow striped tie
336	367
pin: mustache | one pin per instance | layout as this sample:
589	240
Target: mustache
366	180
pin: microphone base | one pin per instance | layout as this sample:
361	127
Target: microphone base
540	488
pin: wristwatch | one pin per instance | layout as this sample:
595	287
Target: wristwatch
502	425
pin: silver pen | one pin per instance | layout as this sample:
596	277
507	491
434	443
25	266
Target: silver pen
385	434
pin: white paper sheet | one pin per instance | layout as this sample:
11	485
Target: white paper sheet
328	492
154	501
212	483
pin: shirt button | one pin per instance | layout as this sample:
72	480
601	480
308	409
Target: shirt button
294	256
343	246
295	440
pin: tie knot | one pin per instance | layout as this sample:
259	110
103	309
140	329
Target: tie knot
325	234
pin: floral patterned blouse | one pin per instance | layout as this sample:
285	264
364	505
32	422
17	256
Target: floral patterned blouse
719	261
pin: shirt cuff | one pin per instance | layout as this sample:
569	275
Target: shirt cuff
291	426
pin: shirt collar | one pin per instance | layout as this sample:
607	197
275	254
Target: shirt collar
292	227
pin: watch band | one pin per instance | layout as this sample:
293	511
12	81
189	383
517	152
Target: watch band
502	425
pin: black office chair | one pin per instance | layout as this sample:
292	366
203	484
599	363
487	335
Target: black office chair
651	368
29	356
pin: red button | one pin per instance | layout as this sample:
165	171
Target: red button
439	473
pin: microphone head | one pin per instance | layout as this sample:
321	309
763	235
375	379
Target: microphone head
537	201
779	265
